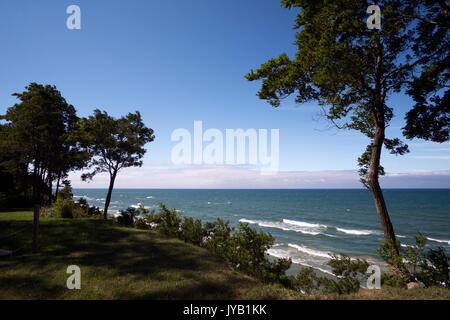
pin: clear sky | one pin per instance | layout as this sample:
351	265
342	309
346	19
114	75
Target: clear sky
180	61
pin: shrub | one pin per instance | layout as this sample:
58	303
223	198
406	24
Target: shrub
83	209
249	249
64	208
127	217
216	235
141	223
343	266
415	264
349	272
192	231
47	212
307	281
276	272
169	221
66	192
436	271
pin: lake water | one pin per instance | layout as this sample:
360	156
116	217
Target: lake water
307	225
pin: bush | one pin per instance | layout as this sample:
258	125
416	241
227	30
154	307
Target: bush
430	267
64	208
248	250
128	216
47	212
436	271
350	273
66	192
169	221
192	231
83	209
307	281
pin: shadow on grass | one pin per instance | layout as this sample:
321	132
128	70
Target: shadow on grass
30	287
119	253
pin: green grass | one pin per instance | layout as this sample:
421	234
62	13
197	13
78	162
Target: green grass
125	263
116	263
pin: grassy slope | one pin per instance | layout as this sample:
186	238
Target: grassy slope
125	263
116	263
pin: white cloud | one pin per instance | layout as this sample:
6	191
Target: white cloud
431	157
244	177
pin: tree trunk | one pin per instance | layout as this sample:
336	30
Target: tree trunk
108	196
374	184
50	192
35	243
377	145
36	202
57	186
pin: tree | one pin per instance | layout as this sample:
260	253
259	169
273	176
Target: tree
351	70
36	132
429	119
114	144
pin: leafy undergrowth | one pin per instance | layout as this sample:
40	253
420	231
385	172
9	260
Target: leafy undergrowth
125	263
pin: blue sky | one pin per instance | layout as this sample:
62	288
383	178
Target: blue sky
181	61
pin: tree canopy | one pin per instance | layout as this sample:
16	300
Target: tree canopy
113	144
351	70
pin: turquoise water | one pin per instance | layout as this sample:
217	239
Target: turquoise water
308	225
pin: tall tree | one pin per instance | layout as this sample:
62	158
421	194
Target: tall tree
36	132
114	144
429	119
351	71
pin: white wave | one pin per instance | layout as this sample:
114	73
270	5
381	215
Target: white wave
85	197
283	254
279	225
400	236
309	251
150	197
139	205
438	240
356	232
304	224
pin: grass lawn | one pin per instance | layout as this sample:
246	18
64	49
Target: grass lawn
125	263
116	263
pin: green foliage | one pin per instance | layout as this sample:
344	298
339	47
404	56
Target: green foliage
83	207
347	271
431	267
64	208
217	234
112	144
343	266
47	212
398	273
37	134
66	192
169	221
244	248
307	281
192	231
128	216
350	273
344	285
436	271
